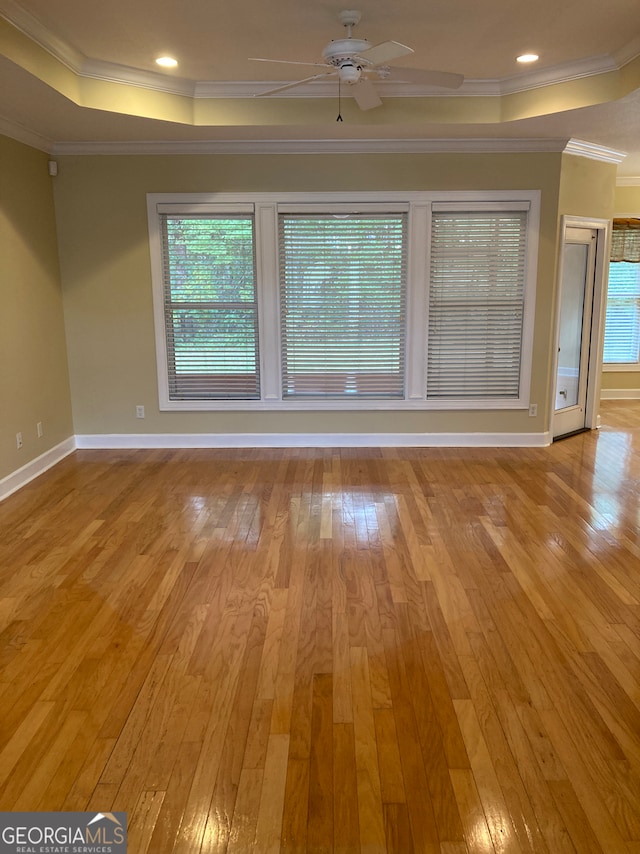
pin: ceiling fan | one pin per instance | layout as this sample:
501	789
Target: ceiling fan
356	61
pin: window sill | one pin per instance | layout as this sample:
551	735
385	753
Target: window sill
339	405
611	367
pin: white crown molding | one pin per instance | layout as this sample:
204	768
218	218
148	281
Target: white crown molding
319	146
594	152
85	66
328	88
34	29
21	134
106	441
346	146
110	72
564	73
24	475
627	53
628	181
471	88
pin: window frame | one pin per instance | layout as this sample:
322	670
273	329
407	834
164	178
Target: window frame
618	367
492	209
180	381
265	208
399	213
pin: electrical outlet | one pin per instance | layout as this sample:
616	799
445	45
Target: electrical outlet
533	410
139	411
39	430
18	440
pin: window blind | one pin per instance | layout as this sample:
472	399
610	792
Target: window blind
625	240
210	307
622	325
343	304
476	304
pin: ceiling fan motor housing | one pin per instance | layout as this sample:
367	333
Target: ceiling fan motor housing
343	54
340	51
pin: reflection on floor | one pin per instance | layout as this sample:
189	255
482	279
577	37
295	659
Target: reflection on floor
369	650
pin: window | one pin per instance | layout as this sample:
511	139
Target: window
476	304
622	327
342	298
210	309
325	301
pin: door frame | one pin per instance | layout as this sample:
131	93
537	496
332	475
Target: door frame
602	227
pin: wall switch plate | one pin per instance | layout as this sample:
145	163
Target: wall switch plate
18	440
39	430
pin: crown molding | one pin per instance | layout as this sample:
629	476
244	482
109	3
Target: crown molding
21	134
327	89
85	66
563	73
628	181
321	146
594	152
110	72
576	147
35	30
627	53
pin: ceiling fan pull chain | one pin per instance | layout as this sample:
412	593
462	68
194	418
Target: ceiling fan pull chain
339	119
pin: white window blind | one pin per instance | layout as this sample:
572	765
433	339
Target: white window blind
342	303
622	328
476	304
210	306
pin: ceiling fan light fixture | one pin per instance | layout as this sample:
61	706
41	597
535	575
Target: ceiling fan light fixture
349	73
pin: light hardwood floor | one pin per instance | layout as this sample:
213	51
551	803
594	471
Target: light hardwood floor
331	650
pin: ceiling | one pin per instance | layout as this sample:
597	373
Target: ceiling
80	75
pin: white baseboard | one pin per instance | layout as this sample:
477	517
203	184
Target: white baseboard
620	394
36	467
312	440
111	441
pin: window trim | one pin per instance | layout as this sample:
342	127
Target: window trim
265	207
618	367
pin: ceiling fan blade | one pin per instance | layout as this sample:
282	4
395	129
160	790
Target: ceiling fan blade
365	95
290	62
381	54
296	83
447	79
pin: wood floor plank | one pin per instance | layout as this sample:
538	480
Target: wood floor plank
366	755
245	816
270	810
321	820
295	817
346	822
331	650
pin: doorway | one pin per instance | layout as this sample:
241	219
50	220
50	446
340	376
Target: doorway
581	295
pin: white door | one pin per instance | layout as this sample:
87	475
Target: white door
577	279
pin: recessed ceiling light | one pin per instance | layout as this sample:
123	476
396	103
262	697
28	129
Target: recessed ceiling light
527	57
167	61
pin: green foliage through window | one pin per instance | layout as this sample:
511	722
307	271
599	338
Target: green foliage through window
210	307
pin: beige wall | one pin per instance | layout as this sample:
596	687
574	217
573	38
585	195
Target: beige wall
103	235
100	214
34	384
627	203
